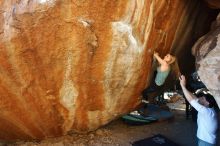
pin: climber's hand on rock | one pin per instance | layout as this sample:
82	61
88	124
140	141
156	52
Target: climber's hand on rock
156	53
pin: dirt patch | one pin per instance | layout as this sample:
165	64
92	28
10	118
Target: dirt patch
117	133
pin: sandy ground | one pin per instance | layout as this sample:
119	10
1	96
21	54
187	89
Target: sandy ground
178	129
117	133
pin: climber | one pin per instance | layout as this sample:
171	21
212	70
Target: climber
161	73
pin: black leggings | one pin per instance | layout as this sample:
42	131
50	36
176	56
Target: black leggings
152	88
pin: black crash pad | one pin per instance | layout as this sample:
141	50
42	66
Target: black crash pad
157	140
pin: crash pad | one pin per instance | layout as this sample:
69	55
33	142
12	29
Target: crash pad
146	115
156	112
157	140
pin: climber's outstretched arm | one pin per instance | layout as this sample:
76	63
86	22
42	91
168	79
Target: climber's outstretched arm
159	59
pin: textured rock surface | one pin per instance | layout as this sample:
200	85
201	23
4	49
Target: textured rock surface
215	4
76	65
207	53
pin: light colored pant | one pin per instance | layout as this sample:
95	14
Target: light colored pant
203	143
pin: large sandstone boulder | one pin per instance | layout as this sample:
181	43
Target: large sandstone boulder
207	53
78	64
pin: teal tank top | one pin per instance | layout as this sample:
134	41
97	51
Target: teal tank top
161	76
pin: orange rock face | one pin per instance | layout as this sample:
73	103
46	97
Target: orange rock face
76	65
